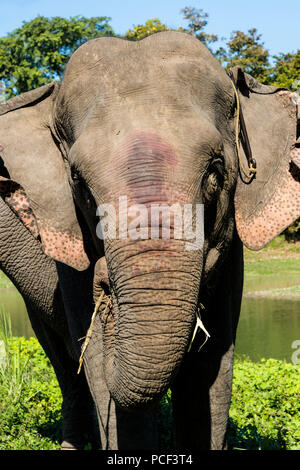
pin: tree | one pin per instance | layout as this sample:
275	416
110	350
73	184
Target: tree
286	71
37	53
151	26
197	22
247	51
2	92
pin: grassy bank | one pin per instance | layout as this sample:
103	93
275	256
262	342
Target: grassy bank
274	271
264	413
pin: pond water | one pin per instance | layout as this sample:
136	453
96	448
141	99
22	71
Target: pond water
267	327
11	302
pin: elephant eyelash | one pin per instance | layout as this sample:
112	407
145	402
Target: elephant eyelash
76	178
81	188
213	180
217	166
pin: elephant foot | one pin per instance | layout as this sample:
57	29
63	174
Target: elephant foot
84	444
65	445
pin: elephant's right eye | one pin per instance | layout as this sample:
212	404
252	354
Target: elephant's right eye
75	175
213	180
81	189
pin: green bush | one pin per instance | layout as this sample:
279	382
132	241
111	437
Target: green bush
292	233
30	398
265	406
264	413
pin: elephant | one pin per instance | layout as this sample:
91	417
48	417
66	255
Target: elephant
160	123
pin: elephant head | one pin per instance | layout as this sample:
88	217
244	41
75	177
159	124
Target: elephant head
153	121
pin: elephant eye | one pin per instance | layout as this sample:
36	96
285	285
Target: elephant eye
75	175
81	190
214	179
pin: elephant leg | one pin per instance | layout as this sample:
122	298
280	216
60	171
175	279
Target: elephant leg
201	392
79	424
201	399
119	430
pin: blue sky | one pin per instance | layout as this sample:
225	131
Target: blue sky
277	21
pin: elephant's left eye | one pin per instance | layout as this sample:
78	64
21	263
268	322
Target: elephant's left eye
80	188
75	175
213	180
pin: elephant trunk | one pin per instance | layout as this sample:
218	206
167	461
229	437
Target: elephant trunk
154	288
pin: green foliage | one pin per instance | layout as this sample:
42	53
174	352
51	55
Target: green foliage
142	31
247	51
37	53
164	421
30	396
286	72
292	233
197	22
265	410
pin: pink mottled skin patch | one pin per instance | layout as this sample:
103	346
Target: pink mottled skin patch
58	245
20	204
63	247
17	200
145	165
282	210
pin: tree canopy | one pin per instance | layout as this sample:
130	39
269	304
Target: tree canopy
141	31
198	20
37	52
247	51
286	72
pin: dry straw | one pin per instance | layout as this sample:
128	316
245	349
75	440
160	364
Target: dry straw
90	330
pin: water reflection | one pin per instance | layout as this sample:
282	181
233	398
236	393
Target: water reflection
12	302
267	328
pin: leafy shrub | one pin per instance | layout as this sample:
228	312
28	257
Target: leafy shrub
264	412
30	398
292	233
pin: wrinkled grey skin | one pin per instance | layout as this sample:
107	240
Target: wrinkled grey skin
155	121
35	276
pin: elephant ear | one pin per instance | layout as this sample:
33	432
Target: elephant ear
33	180
269	203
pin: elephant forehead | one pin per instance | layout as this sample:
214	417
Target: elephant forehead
110	48
119	65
